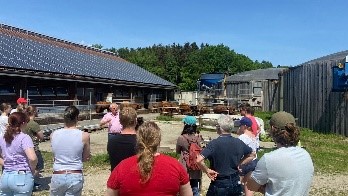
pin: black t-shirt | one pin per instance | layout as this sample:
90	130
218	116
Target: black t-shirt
225	153
121	146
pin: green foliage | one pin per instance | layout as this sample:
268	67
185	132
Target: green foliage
98	160
183	65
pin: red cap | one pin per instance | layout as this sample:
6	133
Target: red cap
21	100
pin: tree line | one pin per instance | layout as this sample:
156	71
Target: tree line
183	64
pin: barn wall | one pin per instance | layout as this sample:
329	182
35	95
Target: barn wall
308	96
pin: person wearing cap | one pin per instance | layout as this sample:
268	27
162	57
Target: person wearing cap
225	154
182	147
21	105
288	170
249	139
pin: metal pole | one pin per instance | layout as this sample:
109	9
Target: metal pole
20	92
90	104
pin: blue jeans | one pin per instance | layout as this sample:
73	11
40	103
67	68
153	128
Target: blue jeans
195	185
16	183
225	186
66	184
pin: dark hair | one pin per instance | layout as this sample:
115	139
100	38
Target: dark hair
71	114
15	121
140	121
250	110
286	137
189	129
31	110
128	117
4	106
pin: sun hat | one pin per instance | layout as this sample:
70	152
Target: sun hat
245	121
280	119
189	120
21	100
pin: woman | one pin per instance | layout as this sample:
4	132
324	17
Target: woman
36	134
5	110
250	140
189	134
18	157
288	170
122	146
70	147
148	172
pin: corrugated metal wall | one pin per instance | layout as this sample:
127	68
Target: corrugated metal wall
308	96
270	92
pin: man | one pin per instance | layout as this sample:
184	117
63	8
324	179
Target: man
225	154
288	170
112	120
21	105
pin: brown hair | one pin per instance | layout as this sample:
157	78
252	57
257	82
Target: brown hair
286	137
128	117
15	121
148	139
4	106
71	114
31	110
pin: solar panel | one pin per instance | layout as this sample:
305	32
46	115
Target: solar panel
25	53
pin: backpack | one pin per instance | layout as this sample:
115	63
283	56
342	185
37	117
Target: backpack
190	157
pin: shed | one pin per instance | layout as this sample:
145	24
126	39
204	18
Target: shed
260	88
309	95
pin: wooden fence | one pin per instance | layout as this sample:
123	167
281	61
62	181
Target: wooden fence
307	94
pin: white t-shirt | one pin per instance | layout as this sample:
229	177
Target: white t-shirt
287	171
3	124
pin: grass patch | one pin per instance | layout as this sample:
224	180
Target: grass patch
167	118
328	151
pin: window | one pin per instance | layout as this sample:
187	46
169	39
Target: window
7	90
47	91
33	91
61	91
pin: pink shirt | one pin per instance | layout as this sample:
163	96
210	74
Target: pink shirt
114	125
254	126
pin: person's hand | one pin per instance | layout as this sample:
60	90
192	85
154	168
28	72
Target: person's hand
212	174
239	169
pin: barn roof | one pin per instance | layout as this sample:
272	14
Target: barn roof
27	52
338	56
259	74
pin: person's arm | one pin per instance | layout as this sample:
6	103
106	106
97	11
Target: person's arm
186	190
40	135
1	160
111	192
254	186
246	159
210	173
178	145
86	155
30	152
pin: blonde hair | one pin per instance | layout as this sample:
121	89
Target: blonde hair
148	139
128	117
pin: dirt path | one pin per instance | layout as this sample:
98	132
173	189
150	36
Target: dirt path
95	178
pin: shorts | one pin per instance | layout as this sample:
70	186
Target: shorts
246	168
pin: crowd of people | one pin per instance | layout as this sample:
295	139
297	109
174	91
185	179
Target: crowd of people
136	166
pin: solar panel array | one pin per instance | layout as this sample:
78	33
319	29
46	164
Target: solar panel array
22	53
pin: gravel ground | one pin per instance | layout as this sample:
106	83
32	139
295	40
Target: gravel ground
95	179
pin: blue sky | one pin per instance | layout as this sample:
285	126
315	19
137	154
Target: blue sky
284	32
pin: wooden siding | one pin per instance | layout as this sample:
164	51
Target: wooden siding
308	96
270	92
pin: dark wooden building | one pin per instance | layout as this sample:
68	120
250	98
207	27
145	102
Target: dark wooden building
43	69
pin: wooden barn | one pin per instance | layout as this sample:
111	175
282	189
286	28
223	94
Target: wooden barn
260	88
51	71
310	94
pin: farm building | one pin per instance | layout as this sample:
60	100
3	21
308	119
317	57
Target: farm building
309	94
46	69
260	88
